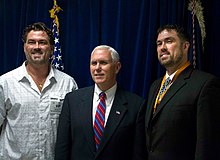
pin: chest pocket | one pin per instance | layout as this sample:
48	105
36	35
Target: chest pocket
56	103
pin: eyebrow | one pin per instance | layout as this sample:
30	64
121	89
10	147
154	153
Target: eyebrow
167	38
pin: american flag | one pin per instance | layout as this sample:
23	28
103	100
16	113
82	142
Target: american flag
57	61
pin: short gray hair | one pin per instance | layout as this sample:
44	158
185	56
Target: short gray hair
114	54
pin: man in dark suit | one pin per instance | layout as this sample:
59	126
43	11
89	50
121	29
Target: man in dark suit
182	123
123	137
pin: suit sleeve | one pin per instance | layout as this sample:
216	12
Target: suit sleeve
208	122
63	143
140	151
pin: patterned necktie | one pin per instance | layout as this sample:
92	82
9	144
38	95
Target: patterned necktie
99	119
164	87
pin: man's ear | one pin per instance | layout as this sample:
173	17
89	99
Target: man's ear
118	67
186	45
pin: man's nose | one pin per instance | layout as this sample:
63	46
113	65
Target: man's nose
163	47
98	66
37	45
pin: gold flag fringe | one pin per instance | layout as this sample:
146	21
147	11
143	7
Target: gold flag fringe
53	13
196	9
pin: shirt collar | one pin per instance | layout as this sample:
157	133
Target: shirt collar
171	76
24	74
109	93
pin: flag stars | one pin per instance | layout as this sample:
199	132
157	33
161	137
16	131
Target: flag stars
57	65
56	40
59	57
55	49
57	61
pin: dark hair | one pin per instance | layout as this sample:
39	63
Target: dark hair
39	26
181	33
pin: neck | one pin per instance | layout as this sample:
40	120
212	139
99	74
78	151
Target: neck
38	74
106	87
38	71
179	68
171	70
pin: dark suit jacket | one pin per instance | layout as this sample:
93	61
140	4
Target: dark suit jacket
123	139
186	125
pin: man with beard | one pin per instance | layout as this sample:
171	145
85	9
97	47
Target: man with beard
31	98
182	117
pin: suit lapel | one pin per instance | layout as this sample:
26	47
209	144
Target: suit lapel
86	113
175	87
169	94
117	113
151	100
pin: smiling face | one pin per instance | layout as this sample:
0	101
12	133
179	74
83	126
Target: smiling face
37	48
103	69
171	51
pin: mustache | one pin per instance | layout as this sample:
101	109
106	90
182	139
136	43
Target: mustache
37	51
164	53
164	50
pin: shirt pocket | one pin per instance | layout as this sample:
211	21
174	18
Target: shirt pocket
56	103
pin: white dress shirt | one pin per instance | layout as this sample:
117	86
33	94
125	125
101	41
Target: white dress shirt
110	95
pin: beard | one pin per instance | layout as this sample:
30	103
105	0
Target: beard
171	61
37	58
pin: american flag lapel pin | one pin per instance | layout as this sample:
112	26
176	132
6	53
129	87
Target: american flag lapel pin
118	112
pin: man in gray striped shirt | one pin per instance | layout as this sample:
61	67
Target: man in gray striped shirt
31	98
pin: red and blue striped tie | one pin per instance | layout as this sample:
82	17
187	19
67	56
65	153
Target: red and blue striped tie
99	119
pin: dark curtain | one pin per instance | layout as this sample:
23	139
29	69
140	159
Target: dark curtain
129	26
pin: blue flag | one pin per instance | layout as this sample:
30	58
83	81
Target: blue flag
57	61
